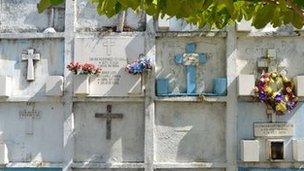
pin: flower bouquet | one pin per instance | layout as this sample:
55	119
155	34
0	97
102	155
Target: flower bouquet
139	66
276	91
82	76
85	69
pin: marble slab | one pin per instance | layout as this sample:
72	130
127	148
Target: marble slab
126	143
32	131
112	54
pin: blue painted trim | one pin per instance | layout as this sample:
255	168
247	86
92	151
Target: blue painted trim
162	86
178	59
190	47
202	58
191	79
220	86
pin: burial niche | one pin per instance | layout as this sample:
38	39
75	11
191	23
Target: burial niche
277	150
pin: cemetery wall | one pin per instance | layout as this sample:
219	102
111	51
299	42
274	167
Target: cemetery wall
53	119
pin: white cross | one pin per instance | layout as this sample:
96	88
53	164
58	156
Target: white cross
108	45
30	57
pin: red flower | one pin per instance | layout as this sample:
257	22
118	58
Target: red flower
86	68
74	67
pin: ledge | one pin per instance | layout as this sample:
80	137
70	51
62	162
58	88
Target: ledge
31	99
79	35
255	99
194	165
89	165
31	35
108	99
170	34
192	99
269	34
32	165
284	164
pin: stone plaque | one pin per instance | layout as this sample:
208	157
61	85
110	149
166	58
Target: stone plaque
51	63
273	129
111	53
95	143
33	132
182	132
166	50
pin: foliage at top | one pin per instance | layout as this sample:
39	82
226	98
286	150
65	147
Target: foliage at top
216	13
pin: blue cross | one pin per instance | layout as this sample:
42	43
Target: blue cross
191	59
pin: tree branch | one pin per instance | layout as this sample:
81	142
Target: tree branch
291	5
296	8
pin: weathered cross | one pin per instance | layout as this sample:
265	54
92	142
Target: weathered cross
269	63
29	116
30	57
109	116
190	59
108	45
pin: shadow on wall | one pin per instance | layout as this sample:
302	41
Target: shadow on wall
190	132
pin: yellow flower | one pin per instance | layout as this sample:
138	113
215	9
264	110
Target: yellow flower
281	107
279	81
274	75
268	90
286	98
285	79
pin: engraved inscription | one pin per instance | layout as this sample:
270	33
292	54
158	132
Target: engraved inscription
111	67
34	114
108	45
273	129
29	114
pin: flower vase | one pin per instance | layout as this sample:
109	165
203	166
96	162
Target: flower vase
81	85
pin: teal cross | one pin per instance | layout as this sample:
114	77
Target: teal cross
191	59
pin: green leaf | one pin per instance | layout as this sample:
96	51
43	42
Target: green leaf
56	2
297	21
203	12
263	15
44	4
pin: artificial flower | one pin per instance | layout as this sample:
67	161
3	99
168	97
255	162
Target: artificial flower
139	66
87	69
277	92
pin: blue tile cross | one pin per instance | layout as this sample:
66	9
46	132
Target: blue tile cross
191	59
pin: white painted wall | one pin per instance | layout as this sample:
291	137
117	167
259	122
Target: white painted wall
162	134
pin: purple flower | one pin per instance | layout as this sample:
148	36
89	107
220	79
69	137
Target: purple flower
262	96
278	97
139	66
291	105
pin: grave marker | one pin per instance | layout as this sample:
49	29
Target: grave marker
30	57
191	59
108	44
113	80
109	116
29	115
273	129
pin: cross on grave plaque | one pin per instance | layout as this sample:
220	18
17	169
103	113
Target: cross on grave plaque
30	57
29	116
190	59
269	63
109	116
108	44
